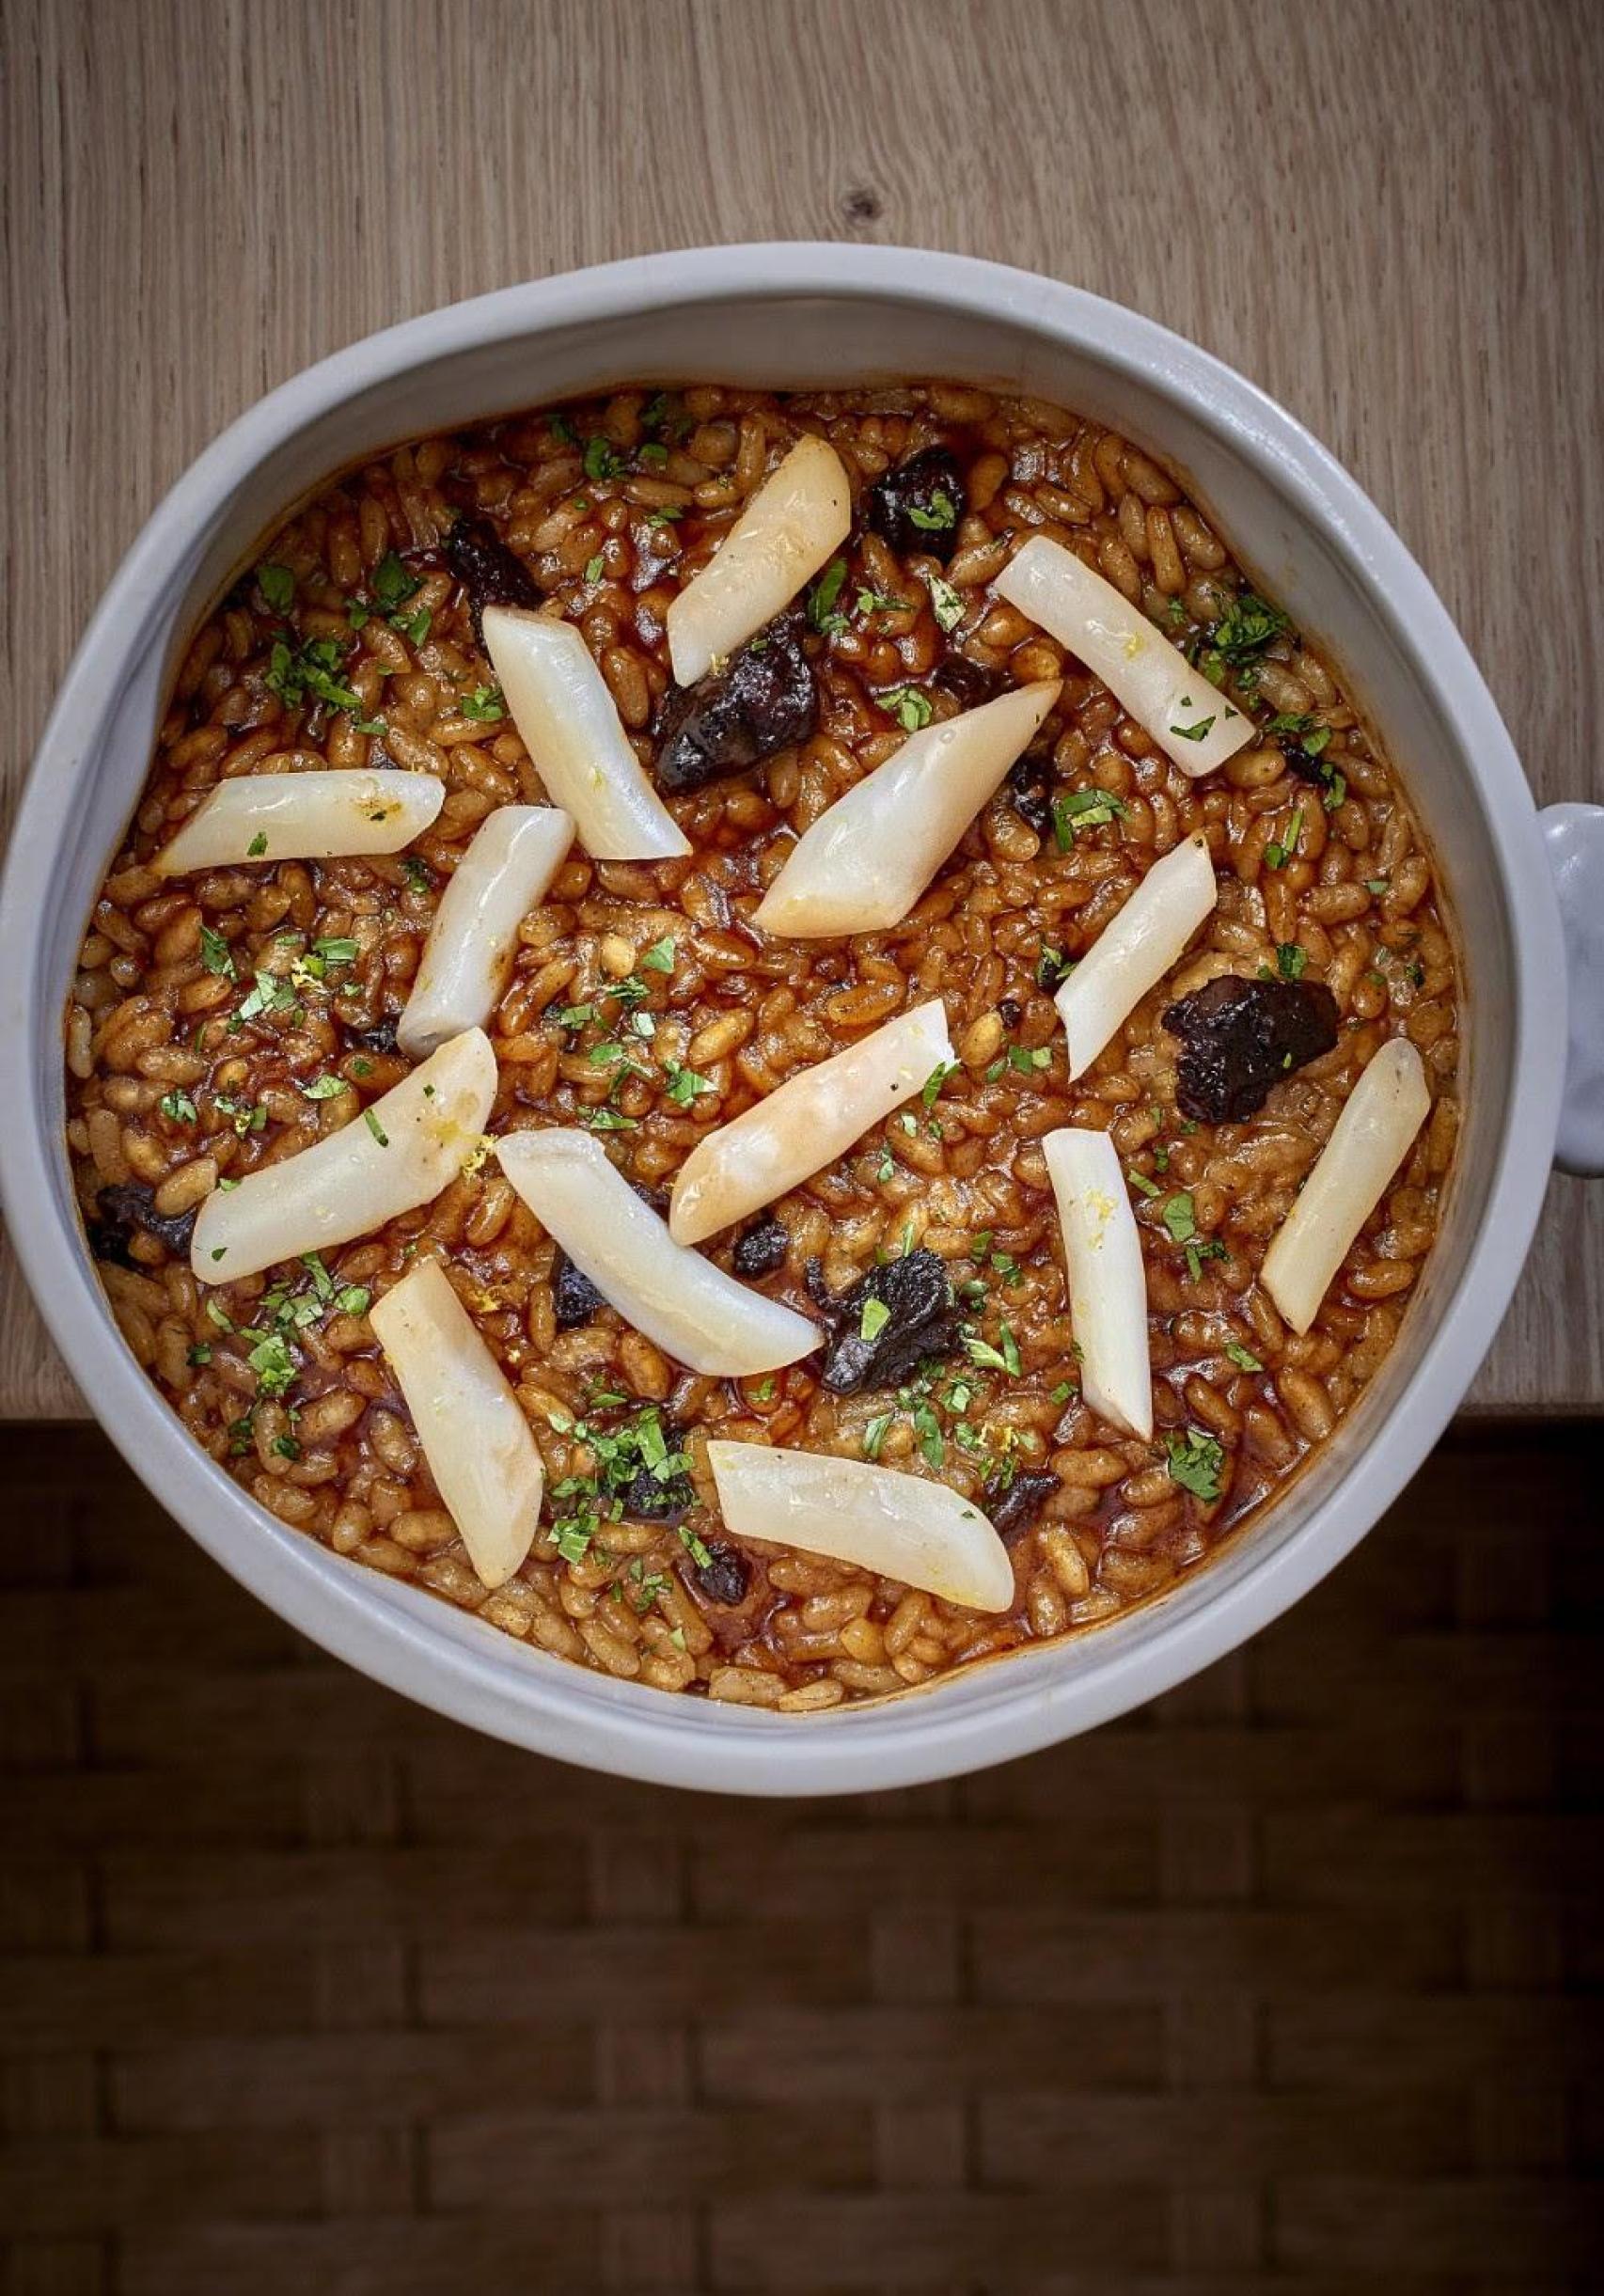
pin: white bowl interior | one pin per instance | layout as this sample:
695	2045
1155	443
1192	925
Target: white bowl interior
1285	510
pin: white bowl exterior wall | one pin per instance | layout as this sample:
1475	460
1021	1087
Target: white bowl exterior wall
787	317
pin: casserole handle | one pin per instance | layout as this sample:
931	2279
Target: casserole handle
1573	838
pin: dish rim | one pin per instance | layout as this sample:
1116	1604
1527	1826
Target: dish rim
418	1646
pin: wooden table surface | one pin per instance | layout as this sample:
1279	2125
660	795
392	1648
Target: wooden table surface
1388	211
1286	1984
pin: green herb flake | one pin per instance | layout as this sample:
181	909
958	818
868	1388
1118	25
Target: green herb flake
659	957
484	706
910	705
1084	808
1278	854
312	669
874	1318
875	1434
930	1090
684	1084
1061	1392
593	569
606	1120
215	954
1143	1185
277	586
392	584
941	517
273	1363
931	1442
176	1106
375	1127
1291	960
257	847
822	608
1196	1461
1242	1357
601	459
1180	1217
1195	734
269	993
336	950
324	1088
947	604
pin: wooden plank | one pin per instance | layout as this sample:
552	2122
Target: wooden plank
202	196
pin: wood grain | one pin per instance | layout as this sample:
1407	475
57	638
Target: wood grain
1388	211
1285	1986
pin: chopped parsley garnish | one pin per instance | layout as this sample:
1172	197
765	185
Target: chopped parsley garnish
930	1090
312	669
606	1120
277	586
336	950
248	1116
1244	630
947	603
375	1127
1277	854
869	602
1179	1217
257	847
875	1434
273	1363
874	1318
931	1442
593	569
322	1088
684	1084
484	706
215	954
910	705
199	1356
1311	738
659	957
1378	886
392	584
562	431
1142	1185
1005	1358
418	875
667	516
1195	1463
177	1107
822	610
1026	1059
1242	1357
941	517
601	459
271	992
1195	734
1084	808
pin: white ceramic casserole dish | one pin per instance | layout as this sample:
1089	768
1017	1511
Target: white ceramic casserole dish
797	316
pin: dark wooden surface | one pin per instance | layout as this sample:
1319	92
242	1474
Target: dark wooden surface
1287	1983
